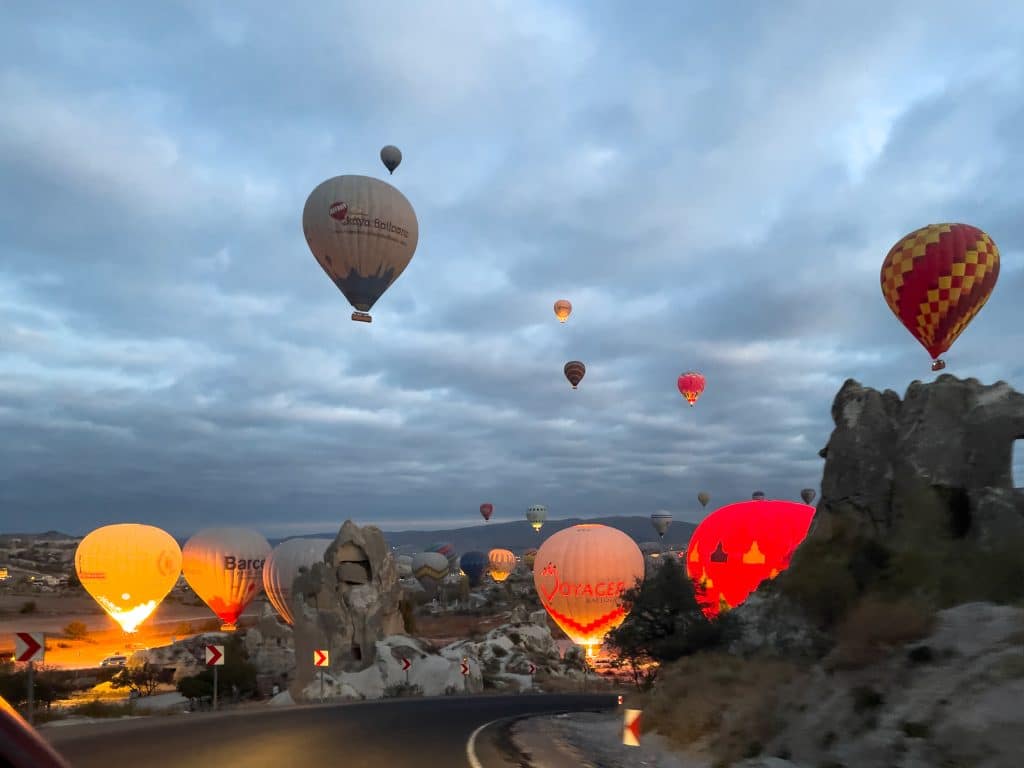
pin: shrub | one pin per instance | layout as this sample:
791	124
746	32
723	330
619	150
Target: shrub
515	637
76	630
398	690
874	627
498	651
29	606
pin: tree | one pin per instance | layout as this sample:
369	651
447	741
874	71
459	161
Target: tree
665	623
143	680
76	630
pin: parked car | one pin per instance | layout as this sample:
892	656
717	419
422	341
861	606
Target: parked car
114	661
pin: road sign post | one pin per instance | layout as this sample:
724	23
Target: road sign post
465	674
30	647
321	659
533	670
405	668
631	728
215	658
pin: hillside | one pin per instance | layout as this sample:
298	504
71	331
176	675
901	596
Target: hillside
519	535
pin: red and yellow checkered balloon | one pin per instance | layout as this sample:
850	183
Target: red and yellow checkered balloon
936	279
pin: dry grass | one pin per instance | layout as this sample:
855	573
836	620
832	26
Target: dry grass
729	701
874	627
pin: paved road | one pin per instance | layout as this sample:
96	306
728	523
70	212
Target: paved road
399	733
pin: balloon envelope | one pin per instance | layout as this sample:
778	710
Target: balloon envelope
448	550
661	521
473	564
283	565
808	494
224	566
563	308
363	233
580	574
691	385
429	568
128	569
936	279
391	156
703	498
486	510
529	556
537	514
501	563
574	372
740	545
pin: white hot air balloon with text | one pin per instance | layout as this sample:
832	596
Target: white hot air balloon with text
224	566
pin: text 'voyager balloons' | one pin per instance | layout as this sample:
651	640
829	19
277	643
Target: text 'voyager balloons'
740	545
581	573
501	563
574	372
486	510
284	563
536	515
128	569
936	279
473	564
563	308
224	566
691	386
363	233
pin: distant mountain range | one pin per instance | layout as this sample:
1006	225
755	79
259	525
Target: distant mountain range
518	535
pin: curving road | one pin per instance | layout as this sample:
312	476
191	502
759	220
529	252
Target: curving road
396	733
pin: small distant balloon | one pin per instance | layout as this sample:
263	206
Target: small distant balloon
757	496
563	308
691	386
703	497
574	372
808	494
486	510
536	515
391	156
661	521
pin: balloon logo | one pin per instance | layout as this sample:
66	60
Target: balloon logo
936	279
563	308
128	569
574	372
691	385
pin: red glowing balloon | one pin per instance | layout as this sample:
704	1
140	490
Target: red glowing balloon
691	385
740	545
486	510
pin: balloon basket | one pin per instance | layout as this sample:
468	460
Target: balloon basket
228	627
362	317
938	365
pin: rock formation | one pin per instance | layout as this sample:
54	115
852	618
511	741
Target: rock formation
346	604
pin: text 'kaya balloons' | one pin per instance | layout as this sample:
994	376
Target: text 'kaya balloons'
128	569
580	574
740	545
363	232
536	515
285	563
691	386
563	308
224	566
936	279
501	563
574	372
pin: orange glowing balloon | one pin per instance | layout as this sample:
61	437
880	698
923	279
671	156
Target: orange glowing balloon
225	568
501	563
563	308
128	569
580	574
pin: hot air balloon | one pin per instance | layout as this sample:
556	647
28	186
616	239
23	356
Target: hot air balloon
936	279
283	564
563	308
363	232
391	156
691	385
537	514
128	569
580	574
757	496
740	545
703	498
486	510
448	550
661	521
473	564
224	566
529	556
808	494
501	563
574	372
404	563
429	568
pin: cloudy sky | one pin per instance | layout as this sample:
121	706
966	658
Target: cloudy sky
713	189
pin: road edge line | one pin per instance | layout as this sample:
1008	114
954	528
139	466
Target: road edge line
474	761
